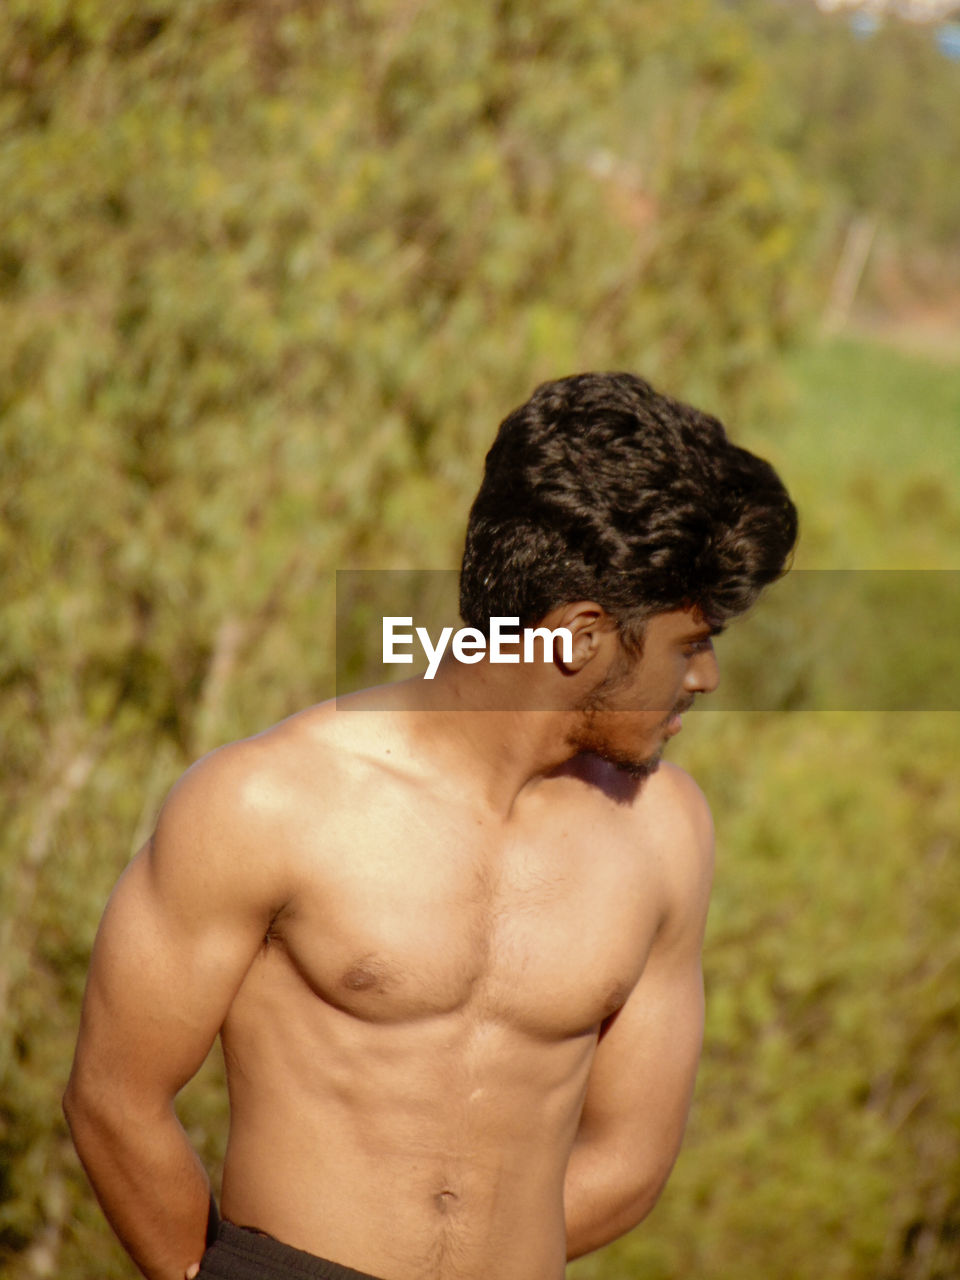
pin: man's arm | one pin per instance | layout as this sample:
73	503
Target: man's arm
642	1077
177	938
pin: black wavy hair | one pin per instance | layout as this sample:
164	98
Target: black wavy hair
600	488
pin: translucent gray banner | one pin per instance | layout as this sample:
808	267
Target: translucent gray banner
819	640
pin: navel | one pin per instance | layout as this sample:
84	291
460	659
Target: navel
446	1201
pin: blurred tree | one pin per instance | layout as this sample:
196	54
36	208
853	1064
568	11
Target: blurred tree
876	124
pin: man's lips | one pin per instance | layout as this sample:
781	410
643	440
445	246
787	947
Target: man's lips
673	723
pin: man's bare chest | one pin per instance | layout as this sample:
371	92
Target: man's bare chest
544	927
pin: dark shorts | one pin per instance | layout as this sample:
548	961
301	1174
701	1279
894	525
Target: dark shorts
239	1253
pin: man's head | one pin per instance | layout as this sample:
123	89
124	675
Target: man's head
631	519
599	488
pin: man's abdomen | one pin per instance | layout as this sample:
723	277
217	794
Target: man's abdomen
432	1149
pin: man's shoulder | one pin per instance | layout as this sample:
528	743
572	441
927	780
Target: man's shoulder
675	822
249	779
304	759
237	817
672	795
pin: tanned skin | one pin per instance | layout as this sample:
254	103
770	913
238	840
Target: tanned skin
454	958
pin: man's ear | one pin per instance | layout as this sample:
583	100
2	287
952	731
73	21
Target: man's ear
590	628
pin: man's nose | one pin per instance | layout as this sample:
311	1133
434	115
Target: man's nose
703	673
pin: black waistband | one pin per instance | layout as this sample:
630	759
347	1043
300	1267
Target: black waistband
241	1253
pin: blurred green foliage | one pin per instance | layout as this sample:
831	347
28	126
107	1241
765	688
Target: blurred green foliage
270	272
874	120
825	1137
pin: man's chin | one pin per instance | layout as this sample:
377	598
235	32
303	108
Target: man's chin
638	768
634	767
628	762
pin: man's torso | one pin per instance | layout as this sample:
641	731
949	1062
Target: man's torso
408	1053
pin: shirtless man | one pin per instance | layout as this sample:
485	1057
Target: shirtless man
451	940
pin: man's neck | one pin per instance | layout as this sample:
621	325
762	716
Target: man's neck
493	729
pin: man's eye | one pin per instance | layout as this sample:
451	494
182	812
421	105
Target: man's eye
699	646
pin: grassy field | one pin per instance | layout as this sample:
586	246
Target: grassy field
824	1138
869	442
